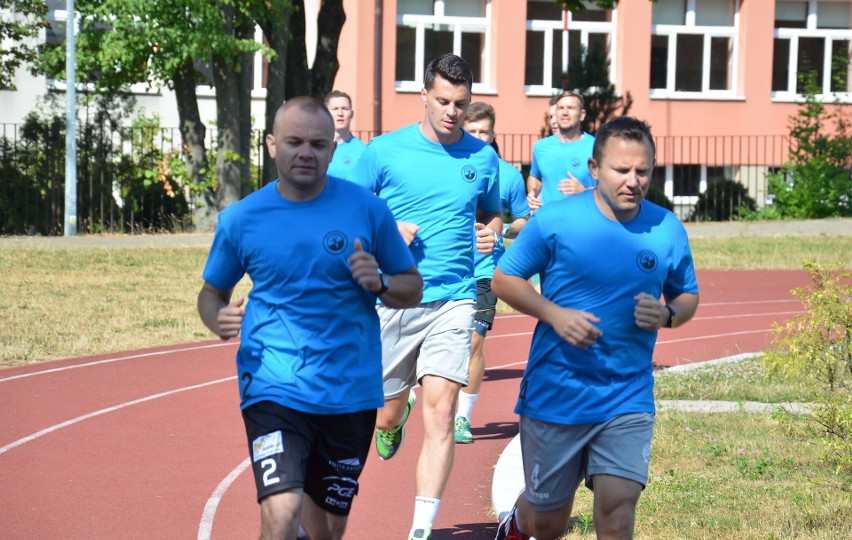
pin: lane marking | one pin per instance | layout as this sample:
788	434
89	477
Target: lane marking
119	359
56	427
205	528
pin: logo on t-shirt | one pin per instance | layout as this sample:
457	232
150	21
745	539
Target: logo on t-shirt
468	173
646	260
347	160
334	242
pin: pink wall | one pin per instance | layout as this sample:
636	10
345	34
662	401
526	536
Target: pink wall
752	113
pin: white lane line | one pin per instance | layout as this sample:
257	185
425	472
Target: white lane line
696	338
119	359
205	528
73	421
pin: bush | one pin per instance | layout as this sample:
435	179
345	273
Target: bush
817	347
722	201
658	196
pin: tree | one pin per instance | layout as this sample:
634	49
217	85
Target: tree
20	23
589	75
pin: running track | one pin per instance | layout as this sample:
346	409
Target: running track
150	444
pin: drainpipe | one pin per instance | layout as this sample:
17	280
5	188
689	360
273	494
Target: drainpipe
377	68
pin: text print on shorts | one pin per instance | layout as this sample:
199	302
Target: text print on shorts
262	448
342	490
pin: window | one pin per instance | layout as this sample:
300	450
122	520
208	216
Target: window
555	37
694	48
811	36
426	29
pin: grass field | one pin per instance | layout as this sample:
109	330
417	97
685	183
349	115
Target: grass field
720	476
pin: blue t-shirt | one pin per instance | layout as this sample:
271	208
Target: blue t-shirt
513	199
310	337
594	264
345	157
438	188
552	159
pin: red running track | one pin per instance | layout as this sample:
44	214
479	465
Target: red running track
150	444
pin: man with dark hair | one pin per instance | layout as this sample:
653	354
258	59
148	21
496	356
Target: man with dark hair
308	428
586	402
479	122
559	165
441	184
349	147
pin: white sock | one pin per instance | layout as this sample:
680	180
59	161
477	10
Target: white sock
466	403
425	510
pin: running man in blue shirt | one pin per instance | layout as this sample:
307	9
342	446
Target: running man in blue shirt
442	185
309	429
586	402
560	162
479	122
349	147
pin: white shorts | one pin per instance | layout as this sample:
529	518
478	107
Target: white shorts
430	339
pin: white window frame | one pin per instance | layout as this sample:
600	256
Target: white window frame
419	23
671	31
585	28
810	31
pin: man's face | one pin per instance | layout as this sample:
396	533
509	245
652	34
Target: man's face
568	113
481	129
302	146
446	104
623	174
341	111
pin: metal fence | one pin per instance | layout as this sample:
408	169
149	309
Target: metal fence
129	180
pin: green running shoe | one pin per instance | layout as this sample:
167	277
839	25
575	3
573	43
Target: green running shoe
462	432
388	442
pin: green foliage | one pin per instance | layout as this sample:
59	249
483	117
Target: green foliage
20	24
722	201
588	72
658	196
816	181
817	347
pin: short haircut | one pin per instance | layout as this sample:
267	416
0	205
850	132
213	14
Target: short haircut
623	127
304	103
450	67
568	93
480	111
337	93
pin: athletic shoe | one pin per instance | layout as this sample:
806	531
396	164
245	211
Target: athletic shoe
388	442
507	531
421	534
462	432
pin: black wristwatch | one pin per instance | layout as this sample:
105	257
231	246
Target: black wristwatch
672	316
385	284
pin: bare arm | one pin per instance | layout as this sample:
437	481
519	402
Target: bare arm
515	227
533	193
574	326
651	314
404	289
221	317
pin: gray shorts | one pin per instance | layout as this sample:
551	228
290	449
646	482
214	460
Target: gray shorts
557	456
430	339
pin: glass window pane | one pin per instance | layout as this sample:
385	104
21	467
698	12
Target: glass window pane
690	54
833	15
534	64
659	61
556	72
464	8
811	51
405	46
780	65
714	13
790	14
687	179
438	40
840	66
473	43
415	7
720	63
543	10
669	12
658	177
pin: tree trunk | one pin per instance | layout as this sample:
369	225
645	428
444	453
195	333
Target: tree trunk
275	25
329	24
193	132
245	72
298	79
228	110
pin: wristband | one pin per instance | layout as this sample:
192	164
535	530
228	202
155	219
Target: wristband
385	280
671	318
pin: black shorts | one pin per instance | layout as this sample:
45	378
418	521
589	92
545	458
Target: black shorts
323	454
486	302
